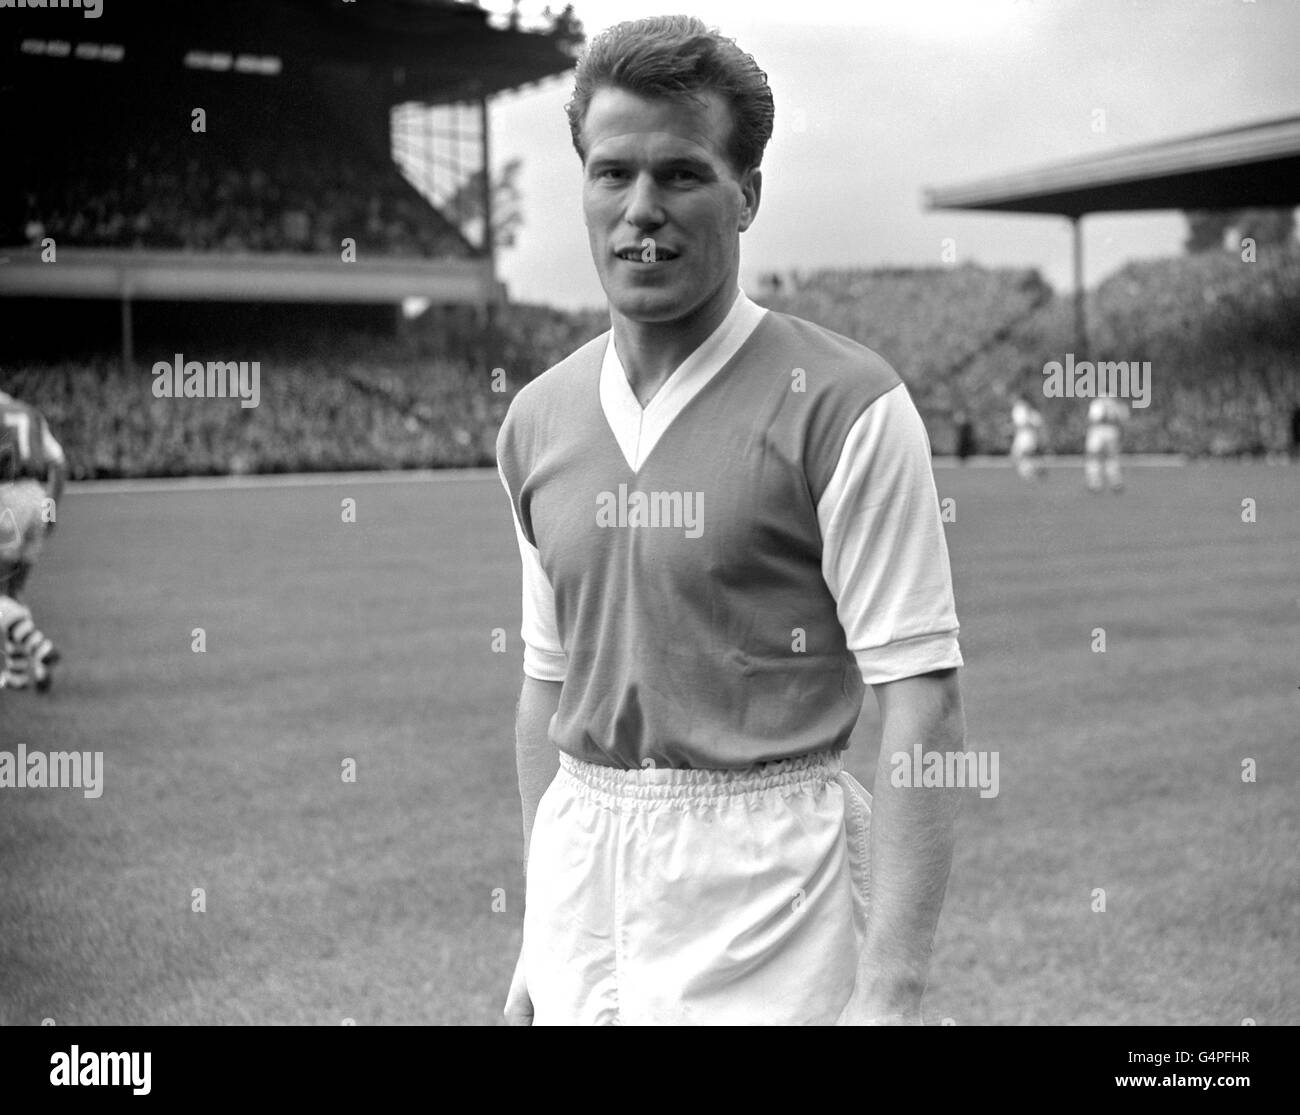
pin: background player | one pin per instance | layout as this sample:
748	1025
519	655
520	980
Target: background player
1101	447
1027	439
32	474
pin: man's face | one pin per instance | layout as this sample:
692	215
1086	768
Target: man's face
663	206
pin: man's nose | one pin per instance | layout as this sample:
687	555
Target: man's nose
644	204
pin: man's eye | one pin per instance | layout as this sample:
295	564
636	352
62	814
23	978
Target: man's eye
685	175
609	172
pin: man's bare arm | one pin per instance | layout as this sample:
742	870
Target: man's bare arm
537	761
911	850
535	754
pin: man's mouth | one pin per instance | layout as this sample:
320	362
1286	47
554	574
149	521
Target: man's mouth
646	255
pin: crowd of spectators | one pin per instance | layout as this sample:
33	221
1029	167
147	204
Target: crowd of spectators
204	195
432	399
312	416
1222	338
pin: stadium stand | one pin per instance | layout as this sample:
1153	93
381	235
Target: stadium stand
243	152
155	218
426	400
206	195
1221	337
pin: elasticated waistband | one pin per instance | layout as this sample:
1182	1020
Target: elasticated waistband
615	786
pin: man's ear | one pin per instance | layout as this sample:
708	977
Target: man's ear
583	190
751	186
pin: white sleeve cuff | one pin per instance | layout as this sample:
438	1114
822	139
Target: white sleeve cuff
909	658
545	665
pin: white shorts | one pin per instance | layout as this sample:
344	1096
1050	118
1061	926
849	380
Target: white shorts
22	529
1102	441
697	897
1024	444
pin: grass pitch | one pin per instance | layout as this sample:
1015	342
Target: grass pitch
381	900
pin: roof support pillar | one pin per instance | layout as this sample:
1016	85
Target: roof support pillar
1080	313
128	333
489	241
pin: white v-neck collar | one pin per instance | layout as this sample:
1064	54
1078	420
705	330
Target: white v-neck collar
637	430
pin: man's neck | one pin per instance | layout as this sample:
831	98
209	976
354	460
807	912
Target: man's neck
650	351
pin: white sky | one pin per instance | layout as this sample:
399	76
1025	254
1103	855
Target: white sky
878	99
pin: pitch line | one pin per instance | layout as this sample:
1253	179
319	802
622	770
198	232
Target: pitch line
446	475
278	480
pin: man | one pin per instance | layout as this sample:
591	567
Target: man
728	523
1025	441
965	435
1101	445
32	474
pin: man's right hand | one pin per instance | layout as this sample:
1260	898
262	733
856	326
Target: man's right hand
519	1007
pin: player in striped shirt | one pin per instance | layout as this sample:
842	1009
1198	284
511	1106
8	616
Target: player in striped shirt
32	473
729	527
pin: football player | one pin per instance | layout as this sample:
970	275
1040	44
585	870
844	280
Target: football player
32	474
729	529
1101	447
1026	442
